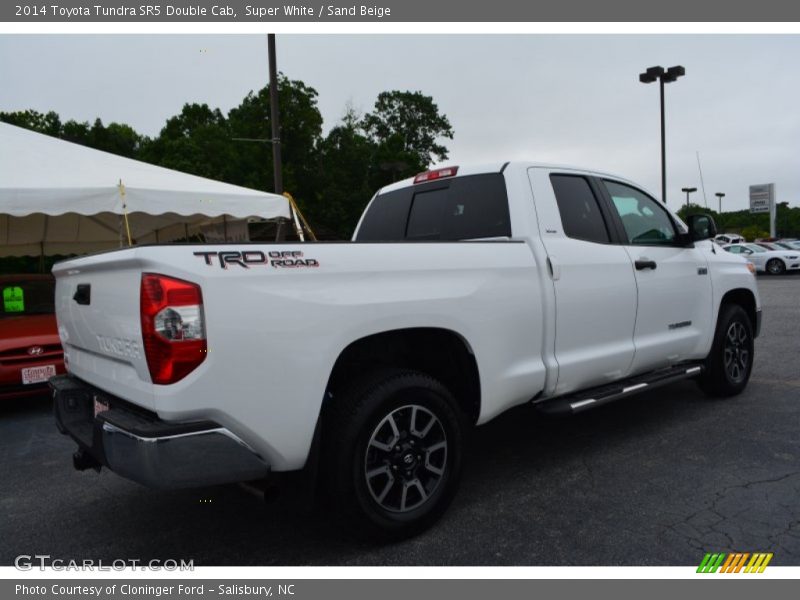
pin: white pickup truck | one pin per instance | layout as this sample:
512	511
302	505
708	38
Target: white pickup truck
465	292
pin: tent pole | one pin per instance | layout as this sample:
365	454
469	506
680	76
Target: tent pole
298	213
125	212
298	230
41	244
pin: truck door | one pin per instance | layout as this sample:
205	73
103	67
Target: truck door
674	318
595	287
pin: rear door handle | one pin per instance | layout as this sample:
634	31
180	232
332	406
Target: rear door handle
645	263
554	268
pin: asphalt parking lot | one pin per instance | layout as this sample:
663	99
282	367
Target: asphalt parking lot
658	479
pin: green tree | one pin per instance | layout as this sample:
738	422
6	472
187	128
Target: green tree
117	138
345	157
693	209
301	132
77	133
196	141
49	123
753	232
406	128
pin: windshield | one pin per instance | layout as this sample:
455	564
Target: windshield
755	248
27	297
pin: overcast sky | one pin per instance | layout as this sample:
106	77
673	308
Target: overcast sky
568	99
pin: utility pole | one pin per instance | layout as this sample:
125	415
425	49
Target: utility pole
275	115
277	172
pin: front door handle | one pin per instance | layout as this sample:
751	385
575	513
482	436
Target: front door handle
645	263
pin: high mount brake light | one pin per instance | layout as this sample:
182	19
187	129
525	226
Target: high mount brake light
436	174
173	329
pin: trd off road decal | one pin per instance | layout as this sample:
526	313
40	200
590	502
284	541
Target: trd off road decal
277	259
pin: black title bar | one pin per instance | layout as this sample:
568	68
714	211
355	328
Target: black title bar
400	11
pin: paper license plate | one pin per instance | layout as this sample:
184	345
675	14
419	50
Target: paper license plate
100	405
38	374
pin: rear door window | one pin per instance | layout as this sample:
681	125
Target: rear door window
579	209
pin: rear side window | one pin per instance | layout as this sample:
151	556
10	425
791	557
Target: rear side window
385	219
463	208
427	217
580	211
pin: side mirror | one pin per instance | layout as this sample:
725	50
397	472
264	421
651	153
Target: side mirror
701	227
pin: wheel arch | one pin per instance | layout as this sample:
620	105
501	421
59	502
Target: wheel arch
441	353
744	298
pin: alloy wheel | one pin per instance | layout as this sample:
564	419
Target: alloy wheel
737	351
406	458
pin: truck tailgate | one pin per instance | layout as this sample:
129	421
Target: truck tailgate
97	306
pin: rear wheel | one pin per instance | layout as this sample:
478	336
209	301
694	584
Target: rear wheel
393	446
730	361
776	267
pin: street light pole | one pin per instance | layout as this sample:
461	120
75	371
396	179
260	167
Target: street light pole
720	196
663	76
688	191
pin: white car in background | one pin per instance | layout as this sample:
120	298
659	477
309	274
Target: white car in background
774	262
788	244
729	238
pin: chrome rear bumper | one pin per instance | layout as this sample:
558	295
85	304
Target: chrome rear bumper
138	446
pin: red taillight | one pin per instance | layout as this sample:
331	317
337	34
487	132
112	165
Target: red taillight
172	327
436	174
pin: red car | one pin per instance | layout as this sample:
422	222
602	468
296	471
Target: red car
30	351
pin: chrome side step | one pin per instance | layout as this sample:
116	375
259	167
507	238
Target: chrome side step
594	397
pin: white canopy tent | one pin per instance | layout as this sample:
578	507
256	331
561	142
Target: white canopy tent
57	197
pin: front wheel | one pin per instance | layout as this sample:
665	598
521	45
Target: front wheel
730	361
393	446
776	267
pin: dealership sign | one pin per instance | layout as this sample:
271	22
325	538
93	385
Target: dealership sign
762	198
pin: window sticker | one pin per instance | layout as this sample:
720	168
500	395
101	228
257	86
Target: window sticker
13	300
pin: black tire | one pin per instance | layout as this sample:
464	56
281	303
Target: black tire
365	480
775	266
730	362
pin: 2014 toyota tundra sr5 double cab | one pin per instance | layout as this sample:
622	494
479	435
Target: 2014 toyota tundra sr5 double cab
465	292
